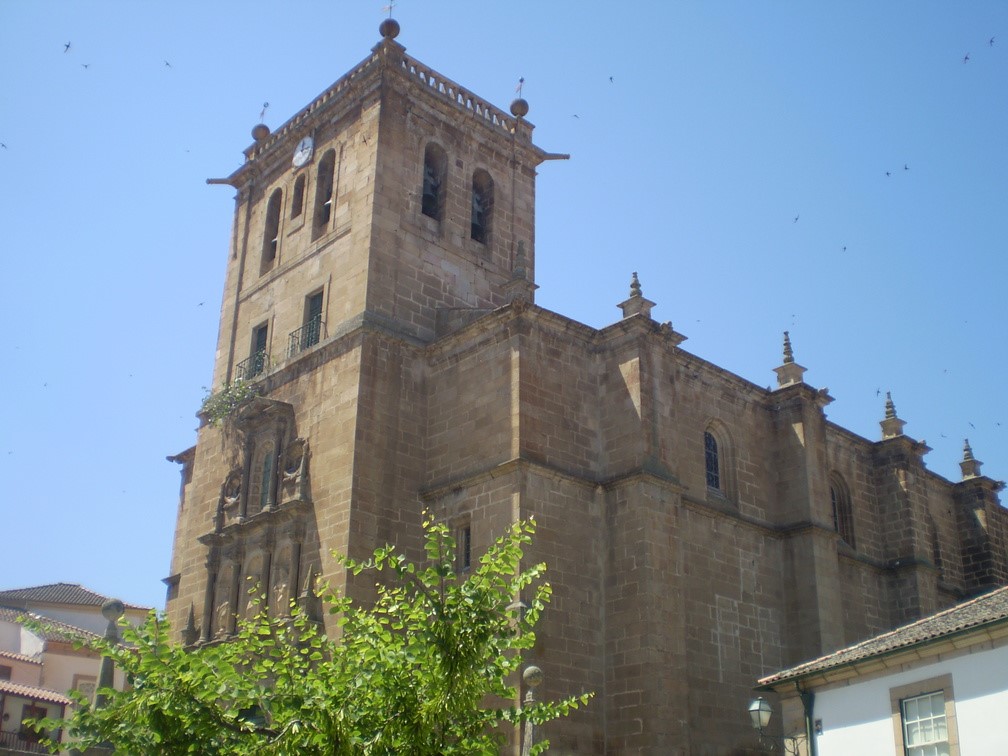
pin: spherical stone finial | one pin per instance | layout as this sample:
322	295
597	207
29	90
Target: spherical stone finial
260	131
389	28
533	676
113	609
519	107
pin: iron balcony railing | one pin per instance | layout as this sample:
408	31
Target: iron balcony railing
21	742
253	366
306	336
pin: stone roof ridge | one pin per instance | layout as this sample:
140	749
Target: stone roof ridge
59	593
969	615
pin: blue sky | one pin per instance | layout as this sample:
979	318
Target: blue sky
735	154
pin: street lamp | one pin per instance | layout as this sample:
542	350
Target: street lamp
533	677
760	712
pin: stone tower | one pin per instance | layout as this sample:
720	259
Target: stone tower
699	530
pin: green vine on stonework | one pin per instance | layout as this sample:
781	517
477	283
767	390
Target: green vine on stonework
217	406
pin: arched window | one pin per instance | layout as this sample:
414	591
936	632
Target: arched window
712	461
297	199
482	206
324	194
435	172
843	520
271	231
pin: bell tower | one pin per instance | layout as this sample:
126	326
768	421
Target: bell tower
394	206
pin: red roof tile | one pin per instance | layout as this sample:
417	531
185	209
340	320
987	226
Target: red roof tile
32	693
51	629
19	657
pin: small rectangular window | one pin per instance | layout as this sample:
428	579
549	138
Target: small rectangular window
6	672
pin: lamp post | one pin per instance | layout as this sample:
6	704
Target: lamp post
533	677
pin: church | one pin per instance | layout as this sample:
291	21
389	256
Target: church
700	531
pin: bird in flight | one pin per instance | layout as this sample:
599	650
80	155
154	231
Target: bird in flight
991	42
167	64
796	218
3	145
844	249
906	167
887	173
85	65
66	47
611	80
575	115
966	58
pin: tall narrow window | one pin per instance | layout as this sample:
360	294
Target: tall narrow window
271	231
463	548
297	199
843	521
925	729
435	171
712	461
482	204
324	194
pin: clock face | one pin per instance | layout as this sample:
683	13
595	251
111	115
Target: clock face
303	152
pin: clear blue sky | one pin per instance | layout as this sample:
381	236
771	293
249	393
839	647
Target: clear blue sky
699	133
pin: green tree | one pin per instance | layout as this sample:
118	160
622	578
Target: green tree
428	668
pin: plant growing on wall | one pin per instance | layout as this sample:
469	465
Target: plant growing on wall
218	406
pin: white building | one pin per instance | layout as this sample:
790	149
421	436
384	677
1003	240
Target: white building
38	667
935	687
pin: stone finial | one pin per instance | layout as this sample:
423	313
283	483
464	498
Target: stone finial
970	465
636	304
520	106
260	131
892	426
309	601
519	288
790	372
190	633
389	28
788	351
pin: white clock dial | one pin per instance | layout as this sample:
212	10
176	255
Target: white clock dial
303	152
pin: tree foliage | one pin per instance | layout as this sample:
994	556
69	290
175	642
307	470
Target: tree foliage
428	668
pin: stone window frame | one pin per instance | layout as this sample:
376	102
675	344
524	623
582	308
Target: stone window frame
940	684
725	456
841	509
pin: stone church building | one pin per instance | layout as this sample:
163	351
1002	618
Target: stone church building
700	531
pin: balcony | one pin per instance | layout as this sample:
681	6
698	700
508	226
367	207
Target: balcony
249	368
24	741
305	337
